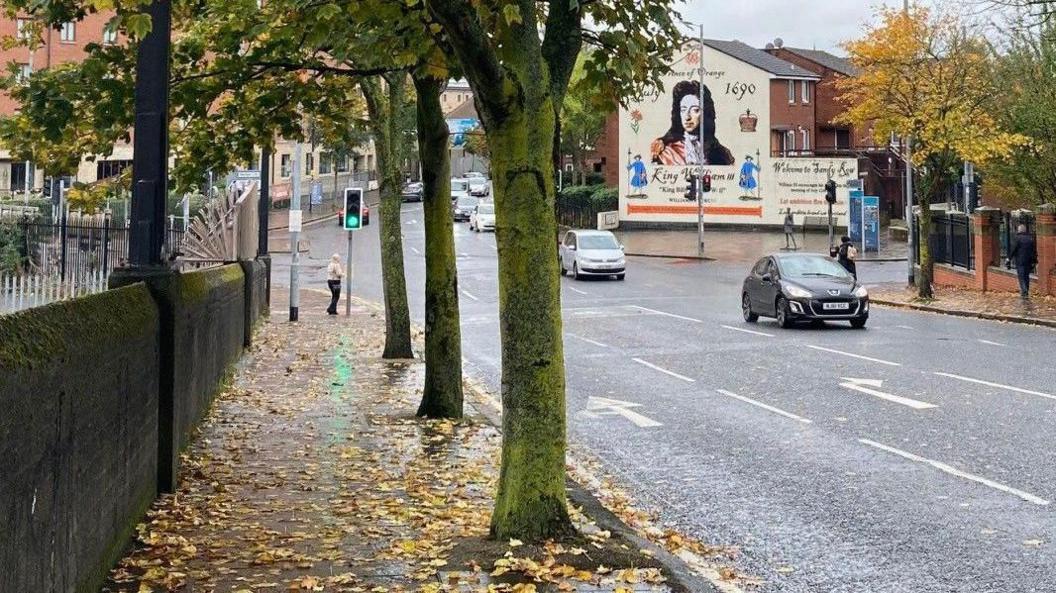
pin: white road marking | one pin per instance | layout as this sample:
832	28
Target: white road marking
411	221
577	290
415	250
464	254
663	370
956	472
603	406
587	340
470	295
859	356
998	385
904	327
751	401
990	343
866	385
655	312
748	331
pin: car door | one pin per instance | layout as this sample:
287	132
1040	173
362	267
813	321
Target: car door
770	287
754	284
569	256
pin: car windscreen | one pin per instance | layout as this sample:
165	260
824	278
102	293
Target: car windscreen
459	185
598	242
486	209
811	267
466	202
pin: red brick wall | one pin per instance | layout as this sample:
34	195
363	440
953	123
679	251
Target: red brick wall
948	276
607	150
783	113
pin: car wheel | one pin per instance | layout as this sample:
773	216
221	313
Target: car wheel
746	309
620	276
784	319
859	323
561	266
575	271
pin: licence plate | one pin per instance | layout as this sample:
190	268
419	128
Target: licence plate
836	306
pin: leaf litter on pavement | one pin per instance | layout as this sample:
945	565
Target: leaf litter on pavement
311	473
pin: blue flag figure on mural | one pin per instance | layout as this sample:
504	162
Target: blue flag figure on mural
747	180
638	177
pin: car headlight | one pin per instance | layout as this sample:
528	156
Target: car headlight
861	292
796	292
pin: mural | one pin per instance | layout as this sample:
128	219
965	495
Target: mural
721	129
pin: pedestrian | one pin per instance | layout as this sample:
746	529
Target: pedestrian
1025	255
847	255
334	273
790	230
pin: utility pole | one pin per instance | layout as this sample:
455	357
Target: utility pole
295	230
700	132
265	202
28	177
911	230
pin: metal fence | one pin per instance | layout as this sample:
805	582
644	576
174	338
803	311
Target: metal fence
950	241
1009	222
577	217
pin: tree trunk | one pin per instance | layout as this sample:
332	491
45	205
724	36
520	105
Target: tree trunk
442	395
397	315
531	499
927	264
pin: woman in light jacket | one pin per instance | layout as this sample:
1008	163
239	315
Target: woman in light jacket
334	274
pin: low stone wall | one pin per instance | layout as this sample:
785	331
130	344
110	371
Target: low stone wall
78	437
256	289
945	275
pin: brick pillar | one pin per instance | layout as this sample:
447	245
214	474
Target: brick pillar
986	225
1046	234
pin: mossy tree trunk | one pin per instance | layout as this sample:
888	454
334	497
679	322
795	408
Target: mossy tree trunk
382	106
934	182
442	395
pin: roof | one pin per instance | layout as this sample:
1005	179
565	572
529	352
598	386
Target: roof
824	58
465	110
760	59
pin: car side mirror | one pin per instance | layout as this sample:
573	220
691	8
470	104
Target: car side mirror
622	247
767	278
571	247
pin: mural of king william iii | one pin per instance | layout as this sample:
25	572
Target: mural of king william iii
682	144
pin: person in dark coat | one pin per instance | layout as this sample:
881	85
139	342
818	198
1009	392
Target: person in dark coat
847	254
1025	256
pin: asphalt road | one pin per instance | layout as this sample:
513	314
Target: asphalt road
913	456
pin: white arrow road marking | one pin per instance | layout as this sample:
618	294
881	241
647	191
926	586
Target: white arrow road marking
956	472
655	312
751	401
603	406
416	252
990	343
747	331
867	385
663	370
997	385
858	356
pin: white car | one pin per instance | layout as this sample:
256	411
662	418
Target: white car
483	217
591	253
459	189
478	184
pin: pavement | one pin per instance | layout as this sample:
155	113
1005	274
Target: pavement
902	458
311	473
740	245
997	306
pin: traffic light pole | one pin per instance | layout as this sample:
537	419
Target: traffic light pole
700	130
295	232
831	234
700	215
348	277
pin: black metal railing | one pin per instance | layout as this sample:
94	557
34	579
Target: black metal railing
950	241
1010	222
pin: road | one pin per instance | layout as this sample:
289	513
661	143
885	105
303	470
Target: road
913	456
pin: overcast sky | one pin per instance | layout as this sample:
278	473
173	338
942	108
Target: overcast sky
821	24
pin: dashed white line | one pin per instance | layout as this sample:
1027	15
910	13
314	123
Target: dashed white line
663	370
655	312
990	343
858	356
463	254
904	327
587	340
470	295
748	331
415	250
997	385
956	472
768	407
576	290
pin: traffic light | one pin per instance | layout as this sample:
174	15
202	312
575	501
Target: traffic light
353	209
691	191
830	191
705	183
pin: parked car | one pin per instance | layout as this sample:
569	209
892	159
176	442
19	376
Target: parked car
459	189
413	192
478	184
463	208
341	216
803	287
591	253
483	217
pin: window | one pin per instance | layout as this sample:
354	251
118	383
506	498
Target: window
109	34
284	166
107	169
843	138
68	33
806	92
24	70
325	159
791	91
806	139
19	177
22	26
342	164
309	163
789	144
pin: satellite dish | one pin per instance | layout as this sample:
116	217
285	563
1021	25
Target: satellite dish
770	46
779	42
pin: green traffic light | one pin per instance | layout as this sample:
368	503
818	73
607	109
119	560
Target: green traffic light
352	221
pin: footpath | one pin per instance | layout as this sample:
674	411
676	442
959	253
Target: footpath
311	473
997	306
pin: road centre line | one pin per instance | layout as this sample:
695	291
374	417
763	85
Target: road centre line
655	312
747	331
663	370
587	340
997	385
470	295
949	469
577	290
990	343
415	250
759	404
859	356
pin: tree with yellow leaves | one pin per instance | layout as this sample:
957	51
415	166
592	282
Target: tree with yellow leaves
926	77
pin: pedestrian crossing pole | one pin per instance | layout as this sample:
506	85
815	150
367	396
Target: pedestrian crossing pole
348	277
700	132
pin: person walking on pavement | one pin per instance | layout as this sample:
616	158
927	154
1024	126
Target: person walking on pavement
847	254
334	274
790	230
1025	255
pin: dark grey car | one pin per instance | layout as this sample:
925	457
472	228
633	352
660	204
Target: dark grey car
803	287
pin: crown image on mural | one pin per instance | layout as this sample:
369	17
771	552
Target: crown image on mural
748	121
